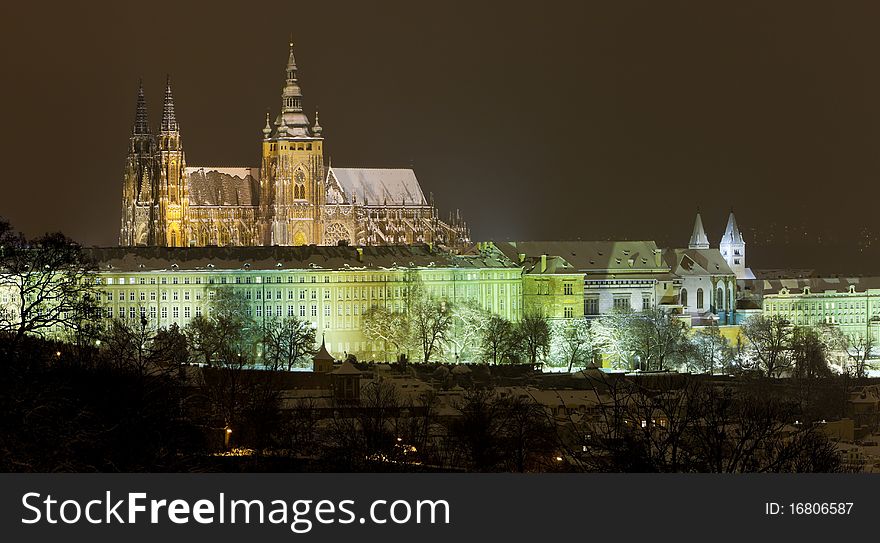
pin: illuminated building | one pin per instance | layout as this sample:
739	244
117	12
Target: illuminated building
852	303
706	282
329	287
733	249
290	199
622	275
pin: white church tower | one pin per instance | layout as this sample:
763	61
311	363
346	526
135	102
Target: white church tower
733	248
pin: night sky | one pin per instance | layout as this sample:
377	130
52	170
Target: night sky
557	120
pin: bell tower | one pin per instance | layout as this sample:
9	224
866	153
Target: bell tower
733	247
173	193
292	190
137	183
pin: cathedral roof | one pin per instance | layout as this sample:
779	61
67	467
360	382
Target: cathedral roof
212	186
375	186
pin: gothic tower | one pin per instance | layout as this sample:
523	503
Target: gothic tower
292	184
699	240
733	247
172	195
138	186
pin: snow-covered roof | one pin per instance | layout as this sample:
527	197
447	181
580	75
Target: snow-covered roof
280	258
376	186
696	262
592	256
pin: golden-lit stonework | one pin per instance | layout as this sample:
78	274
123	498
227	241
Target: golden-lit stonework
291	199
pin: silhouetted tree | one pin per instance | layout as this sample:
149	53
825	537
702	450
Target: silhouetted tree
533	332
48	282
288	343
499	339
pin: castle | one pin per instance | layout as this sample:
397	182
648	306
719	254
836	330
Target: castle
291	199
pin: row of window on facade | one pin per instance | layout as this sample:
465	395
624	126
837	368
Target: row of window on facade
815	306
313	294
294	147
620	302
250	279
701	302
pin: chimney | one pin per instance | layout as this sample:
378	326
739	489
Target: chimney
522	257
658	258
543	263
360	251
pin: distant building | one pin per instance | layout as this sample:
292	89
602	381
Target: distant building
852	303
290	199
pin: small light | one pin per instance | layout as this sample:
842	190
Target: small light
58	354
229	430
559	459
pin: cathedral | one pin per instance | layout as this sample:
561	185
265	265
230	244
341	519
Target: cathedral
290	199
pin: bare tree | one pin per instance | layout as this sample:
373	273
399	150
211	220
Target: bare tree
226	339
859	349
572	343
469	322
770	341
391	328
534	336
288	342
809	353
430	320
47	282
611	334
709	351
657	339
498	339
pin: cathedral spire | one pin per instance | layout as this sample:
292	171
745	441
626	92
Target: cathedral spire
267	130
291	101
141	124
291	62
316	128
699	240
169	119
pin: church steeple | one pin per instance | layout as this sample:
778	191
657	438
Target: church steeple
732	234
733	248
169	119
291	101
141	123
699	240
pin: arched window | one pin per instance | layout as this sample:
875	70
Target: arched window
299	189
719	300
699	298
684	297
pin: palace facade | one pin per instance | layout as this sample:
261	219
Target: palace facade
331	288
290	199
